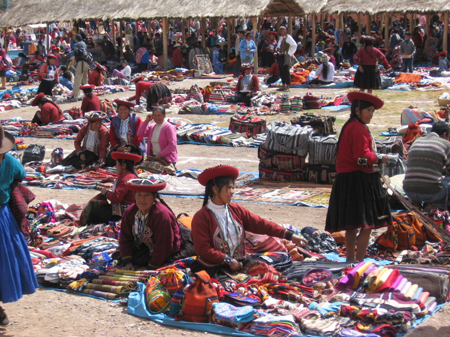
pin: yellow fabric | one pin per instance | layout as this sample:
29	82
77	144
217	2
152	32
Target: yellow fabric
359	272
378	281
372	276
412	290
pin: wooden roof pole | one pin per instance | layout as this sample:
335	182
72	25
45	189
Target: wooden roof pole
229	28
359	18
121	38
278	23
183	30
313	42
165	42
305	29
47	31
445	38
255	29
290	24
411	27
202	32
386	30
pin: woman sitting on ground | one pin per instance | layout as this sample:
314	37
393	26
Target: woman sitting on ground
325	72
125	72
120	196
48	75
273	73
91	143
90	101
150	236
161	135
49	112
123	132
218	229
246	87
96	76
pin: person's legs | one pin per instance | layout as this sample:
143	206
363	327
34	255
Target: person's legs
404	65
282	74
85	70
411	64
237	67
362	242
350	244
77	81
369	91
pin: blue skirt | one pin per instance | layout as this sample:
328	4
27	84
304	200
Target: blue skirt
17	276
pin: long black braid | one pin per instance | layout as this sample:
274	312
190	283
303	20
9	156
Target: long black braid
356	104
219	182
161	200
88	92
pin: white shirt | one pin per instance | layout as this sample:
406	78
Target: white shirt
291	41
226	224
90	141
126	71
155	139
330	75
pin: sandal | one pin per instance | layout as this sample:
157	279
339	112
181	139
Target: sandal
3	318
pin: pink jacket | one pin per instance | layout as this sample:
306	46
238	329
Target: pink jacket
167	140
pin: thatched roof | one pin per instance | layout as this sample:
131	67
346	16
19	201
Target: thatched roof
385	6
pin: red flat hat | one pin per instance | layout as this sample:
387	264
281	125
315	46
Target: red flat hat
99	66
54	47
87	86
362	96
145	185
126	156
50	56
120	102
328	49
37	98
5	96
134	80
217	171
442	54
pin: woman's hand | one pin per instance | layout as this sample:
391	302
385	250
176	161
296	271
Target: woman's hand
104	190
83	157
128	266
298	240
384	159
127	149
360	68
157	157
236	265
149	118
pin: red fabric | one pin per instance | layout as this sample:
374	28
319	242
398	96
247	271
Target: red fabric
389	282
47	254
96	78
20	197
370	57
205	232
50	114
177	58
90	104
356	142
141	90
103	136
252	86
166	233
122	194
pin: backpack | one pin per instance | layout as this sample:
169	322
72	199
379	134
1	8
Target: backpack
156	296
222	56
57	156
82	54
33	152
199	299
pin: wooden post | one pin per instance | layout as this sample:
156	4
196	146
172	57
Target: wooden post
47	31
278	23
305	30
136	27
255	28
290	24
229	28
445	37
114	35
386	31
313	42
202	32
121	39
149	27
165	43
359	18
411	25
4	39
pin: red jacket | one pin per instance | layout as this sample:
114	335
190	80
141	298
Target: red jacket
252	86
121	194
370	57
50	114
101	144
356	142
177	58
96	78
161	232
209	242
90	104
141	90
43	71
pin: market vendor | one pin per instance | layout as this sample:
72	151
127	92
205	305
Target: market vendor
48	75
325	71
141	88
123	132
91	142
150	236
90	102
120	196
218	229
427	157
273	75
246	87
96	76
358	202
49	112
443	61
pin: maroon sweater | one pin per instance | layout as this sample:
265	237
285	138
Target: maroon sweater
90	104
122	195
165	235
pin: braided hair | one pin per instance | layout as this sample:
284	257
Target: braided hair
88	92
129	165
219	182
356	104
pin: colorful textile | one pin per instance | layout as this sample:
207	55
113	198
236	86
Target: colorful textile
109	296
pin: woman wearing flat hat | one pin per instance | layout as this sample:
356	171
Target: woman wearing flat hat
49	112
17	276
96	76
218	229
123	131
358	201
246	87
48	74
150	235
90	102
91	143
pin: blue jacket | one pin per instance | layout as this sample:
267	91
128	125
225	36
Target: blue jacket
243	49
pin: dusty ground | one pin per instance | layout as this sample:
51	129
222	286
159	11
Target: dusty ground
52	313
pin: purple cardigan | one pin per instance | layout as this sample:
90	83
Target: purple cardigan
167	140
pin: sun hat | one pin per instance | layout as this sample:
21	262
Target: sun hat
126	156
37	98
87	86
145	185
120	102
217	171
363	96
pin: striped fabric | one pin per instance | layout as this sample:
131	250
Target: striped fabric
426	160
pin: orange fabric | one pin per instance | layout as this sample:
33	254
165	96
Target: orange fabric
407	78
186	221
299	77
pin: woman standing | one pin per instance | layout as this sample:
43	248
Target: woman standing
162	137
150	236
358	201
90	102
123	132
267	49
17	276
368	76
48	74
5	64
218	229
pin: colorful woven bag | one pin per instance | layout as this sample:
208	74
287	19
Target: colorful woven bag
285	105
156	296
173	279
297	103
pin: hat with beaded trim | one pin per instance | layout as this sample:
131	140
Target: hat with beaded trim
94	116
145	185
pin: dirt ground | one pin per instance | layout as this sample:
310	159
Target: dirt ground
53	313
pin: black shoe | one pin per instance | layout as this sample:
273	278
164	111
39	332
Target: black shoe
3	318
